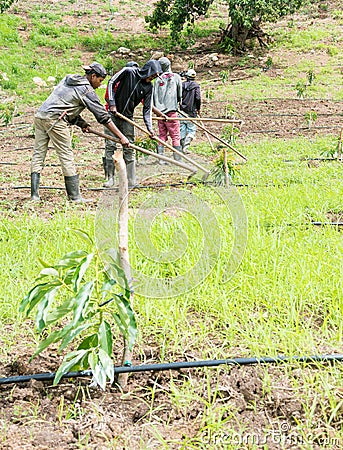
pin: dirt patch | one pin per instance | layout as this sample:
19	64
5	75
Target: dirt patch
175	406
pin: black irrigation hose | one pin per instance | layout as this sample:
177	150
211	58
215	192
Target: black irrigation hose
293	129
154	186
178	366
311	159
250	100
324	224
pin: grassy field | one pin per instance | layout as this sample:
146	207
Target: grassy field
285	298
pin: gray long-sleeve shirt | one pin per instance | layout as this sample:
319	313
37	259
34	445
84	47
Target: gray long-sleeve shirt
167	92
73	94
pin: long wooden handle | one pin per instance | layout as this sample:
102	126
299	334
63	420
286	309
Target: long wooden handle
203	119
165	144
147	152
215	136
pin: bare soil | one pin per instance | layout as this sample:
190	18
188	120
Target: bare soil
73	415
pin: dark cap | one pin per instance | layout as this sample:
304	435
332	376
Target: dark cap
97	68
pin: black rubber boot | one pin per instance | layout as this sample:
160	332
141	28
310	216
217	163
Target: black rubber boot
104	165
186	144
160	151
131	174
35	177
110	173
176	156
73	189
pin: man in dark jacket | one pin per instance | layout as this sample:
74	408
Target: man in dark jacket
110	146
134	86
53	119
190	105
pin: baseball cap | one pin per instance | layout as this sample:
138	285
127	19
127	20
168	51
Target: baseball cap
97	68
191	73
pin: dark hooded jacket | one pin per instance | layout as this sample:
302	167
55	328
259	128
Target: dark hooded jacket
132	89
191	98
73	94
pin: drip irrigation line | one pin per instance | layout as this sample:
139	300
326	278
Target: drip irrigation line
324	224
154	186
15	127
295	115
8	163
19	149
263	99
293	129
179	366
311	159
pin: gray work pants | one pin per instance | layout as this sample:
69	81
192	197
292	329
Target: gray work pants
60	138
128	131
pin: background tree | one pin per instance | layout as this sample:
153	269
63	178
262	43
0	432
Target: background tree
245	18
5	4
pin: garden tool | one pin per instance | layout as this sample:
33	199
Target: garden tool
193	170
60	117
214	135
206	172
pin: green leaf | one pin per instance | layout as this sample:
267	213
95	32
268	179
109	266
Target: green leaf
85	236
81	300
99	375
35	295
113	268
68	363
71	259
105	337
93	360
107	364
49	271
106	288
126	320
52	338
43	308
73	332
43	263
89	342
61	310
81	270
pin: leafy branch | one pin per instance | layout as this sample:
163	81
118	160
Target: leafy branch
76	301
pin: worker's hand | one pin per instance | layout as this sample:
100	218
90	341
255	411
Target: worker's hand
152	134
164	117
86	129
113	110
124	141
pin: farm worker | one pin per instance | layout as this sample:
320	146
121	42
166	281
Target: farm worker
190	105
134	87
110	146
53	119
167	95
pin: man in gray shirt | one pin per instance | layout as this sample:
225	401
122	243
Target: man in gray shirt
52	123
166	95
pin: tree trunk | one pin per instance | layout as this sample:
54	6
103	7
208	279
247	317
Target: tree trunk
123	238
